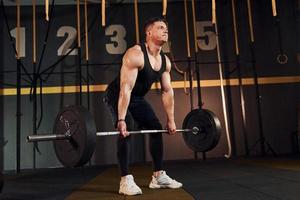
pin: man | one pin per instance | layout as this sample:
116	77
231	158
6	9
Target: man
142	65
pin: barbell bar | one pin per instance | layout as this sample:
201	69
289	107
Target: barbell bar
193	130
74	134
47	137
66	136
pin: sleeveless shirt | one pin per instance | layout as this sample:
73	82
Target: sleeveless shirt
145	78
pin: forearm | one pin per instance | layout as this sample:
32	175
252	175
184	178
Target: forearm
168	103
124	99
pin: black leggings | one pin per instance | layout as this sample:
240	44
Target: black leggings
143	115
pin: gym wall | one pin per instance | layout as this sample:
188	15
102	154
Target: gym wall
279	83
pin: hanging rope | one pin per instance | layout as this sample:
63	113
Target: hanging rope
103	12
78	24
86	31
214	17
18	29
87	53
282	58
187	33
224	103
194	25
274	9
165	5
250	20
47	9
136	18
200	103
34	31
237	51
238	69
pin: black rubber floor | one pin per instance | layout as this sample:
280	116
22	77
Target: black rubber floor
48	184
204	180
238	180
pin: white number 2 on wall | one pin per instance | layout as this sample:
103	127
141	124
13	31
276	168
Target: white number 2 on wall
71	33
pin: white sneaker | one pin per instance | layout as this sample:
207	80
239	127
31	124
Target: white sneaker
128	186
164	181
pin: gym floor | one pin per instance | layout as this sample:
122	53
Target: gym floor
234	179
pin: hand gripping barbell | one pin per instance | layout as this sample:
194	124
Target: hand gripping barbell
74	134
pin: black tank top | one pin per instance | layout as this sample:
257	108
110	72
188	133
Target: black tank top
145	78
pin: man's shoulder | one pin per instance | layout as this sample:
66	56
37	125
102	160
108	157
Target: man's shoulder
168	61
137	47
135	50
134	56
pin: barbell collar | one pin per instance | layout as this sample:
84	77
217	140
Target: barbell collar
49	137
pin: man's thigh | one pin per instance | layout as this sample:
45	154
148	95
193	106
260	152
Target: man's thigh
113	109
143	114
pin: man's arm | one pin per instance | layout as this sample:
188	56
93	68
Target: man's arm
132	60
168	97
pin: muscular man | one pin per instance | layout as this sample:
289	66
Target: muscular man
142	65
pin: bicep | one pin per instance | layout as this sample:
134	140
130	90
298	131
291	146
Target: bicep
166	77
129	71
166	82
128	76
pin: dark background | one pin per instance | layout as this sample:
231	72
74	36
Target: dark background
279	100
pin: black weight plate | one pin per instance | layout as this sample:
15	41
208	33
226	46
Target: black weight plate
77	121
209	130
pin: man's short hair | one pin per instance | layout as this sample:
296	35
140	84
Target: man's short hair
152	20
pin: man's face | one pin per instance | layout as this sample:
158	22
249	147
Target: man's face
158	32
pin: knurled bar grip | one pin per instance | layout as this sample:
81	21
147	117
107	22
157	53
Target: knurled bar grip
141	131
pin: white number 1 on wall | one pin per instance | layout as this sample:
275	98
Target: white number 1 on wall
13	33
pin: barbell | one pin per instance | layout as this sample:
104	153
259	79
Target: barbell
74	134
67	135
